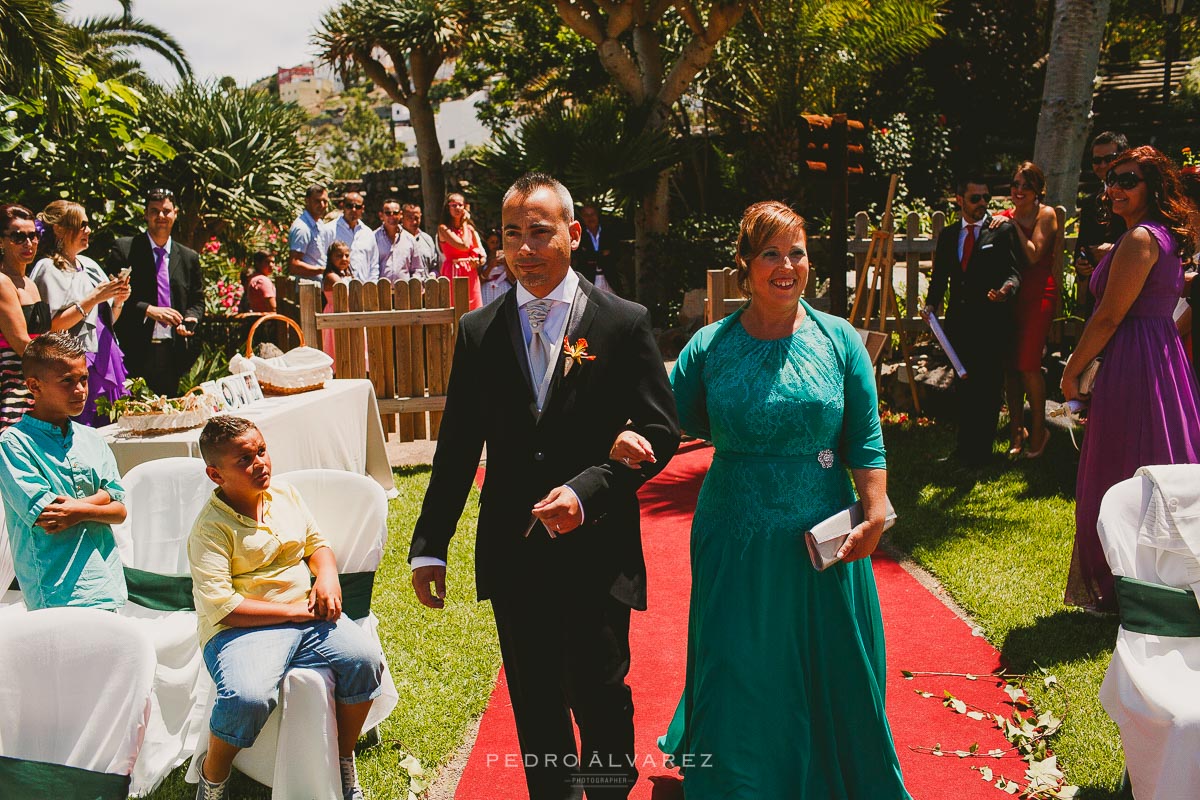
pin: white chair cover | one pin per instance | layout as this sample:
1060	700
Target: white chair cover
1152	687
296	753
7	573
163	498
76	688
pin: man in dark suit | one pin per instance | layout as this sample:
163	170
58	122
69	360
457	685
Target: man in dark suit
559	551
981	265
599	252
167	297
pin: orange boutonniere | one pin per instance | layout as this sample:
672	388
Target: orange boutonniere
576	354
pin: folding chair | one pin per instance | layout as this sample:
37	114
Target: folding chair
67	728
1149	527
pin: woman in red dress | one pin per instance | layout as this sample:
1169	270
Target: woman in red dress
461	247
1037	230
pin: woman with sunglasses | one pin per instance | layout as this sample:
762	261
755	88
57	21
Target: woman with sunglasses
23	313
1037	233
82	299
1143	407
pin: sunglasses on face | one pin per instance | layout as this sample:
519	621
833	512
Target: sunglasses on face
1108	159
355	206
1023	186
17	237
977	198
390	213
1123	180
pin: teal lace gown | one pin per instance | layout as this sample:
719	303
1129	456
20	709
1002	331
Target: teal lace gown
785	666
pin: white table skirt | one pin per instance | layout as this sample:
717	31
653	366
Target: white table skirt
336	427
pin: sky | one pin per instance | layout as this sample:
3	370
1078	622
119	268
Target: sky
247	39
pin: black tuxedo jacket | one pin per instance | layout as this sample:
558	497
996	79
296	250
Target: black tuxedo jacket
586	260
971	318
133	329
491	399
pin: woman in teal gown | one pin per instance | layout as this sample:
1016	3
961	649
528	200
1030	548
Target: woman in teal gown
785	666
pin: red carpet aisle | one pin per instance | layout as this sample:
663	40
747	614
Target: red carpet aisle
922	635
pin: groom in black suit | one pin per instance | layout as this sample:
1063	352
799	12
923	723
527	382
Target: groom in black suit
981	263
559	550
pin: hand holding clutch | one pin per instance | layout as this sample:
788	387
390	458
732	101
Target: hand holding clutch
827	537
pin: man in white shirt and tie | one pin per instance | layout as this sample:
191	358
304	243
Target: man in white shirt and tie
349	228
981	266
547	377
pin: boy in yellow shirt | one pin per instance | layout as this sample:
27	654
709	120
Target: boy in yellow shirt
251	551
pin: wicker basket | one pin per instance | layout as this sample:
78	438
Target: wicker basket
263	380
144	423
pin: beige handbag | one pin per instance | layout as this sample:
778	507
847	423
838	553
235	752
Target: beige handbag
1087	378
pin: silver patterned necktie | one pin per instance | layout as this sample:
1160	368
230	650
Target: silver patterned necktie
539	345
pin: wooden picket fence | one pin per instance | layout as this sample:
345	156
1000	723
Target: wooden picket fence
398	335
914	252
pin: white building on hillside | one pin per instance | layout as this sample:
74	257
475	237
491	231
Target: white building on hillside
457	127
309	85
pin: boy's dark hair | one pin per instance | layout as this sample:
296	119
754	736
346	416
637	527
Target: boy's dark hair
220	431
48	350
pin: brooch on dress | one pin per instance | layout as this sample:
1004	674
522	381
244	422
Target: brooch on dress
825	459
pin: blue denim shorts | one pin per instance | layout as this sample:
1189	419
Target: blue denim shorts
248	665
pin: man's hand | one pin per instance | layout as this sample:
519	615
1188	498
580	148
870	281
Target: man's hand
183	328
632	449
559	511
422	577
164	315
325	599
62	513
1001	294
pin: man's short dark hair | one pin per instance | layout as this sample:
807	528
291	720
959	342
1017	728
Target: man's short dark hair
389	200
218	433
159	195
314	190
1111	137
406	206
530	182
59	348
960	187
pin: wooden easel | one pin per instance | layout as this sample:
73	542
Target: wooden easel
875	282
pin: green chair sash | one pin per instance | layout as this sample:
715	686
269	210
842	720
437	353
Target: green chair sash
160	592
1157	610
356	593
39	780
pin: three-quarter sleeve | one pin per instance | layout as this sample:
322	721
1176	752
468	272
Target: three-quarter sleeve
687	381
210	554
862	436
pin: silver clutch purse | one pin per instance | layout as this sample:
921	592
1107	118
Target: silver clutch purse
828	535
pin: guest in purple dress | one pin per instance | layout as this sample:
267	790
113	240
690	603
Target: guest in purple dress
1143	408
82	300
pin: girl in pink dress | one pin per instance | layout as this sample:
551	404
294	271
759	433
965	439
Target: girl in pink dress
337	270
1037	231
461	247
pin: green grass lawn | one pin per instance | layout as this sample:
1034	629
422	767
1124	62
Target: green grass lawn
999	539
444	663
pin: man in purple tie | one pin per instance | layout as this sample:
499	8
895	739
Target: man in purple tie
167	298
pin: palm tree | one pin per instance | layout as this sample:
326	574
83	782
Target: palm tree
108	45
401	47
33	47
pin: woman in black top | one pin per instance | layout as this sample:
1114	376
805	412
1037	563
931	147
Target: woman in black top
23	313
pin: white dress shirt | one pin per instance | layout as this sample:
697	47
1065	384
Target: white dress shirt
364	255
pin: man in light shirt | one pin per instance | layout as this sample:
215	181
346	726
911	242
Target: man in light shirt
309	237
427	248
349	228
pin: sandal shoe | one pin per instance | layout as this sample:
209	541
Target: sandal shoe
1018	442
1038	451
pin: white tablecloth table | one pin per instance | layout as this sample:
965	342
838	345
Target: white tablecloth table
336	427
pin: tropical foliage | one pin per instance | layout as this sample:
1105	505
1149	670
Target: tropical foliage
239	160
100	156
361	143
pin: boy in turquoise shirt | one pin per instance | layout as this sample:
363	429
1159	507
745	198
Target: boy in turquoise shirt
61	489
